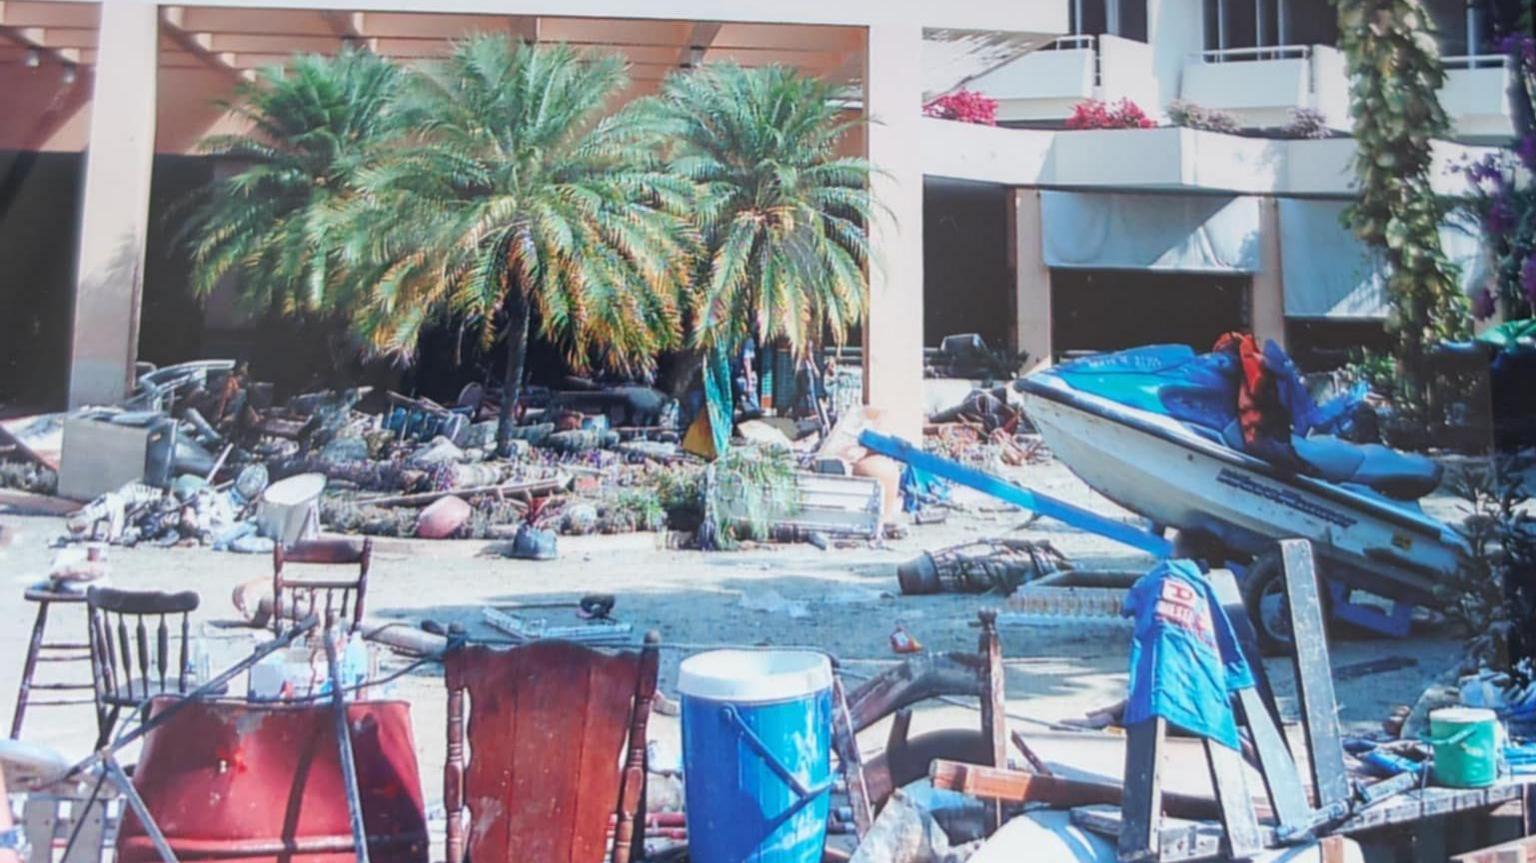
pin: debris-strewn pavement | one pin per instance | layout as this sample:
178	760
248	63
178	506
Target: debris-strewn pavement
844	601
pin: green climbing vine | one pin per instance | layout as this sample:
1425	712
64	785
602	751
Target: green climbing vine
1395	73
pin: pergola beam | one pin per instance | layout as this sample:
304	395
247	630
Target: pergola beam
199	45
699	42
36	39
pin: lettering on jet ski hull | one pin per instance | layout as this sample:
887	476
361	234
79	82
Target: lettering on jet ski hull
1284	497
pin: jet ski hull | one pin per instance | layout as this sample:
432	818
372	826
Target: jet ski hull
1157	468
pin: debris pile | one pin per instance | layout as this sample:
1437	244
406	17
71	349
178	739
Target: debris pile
193	456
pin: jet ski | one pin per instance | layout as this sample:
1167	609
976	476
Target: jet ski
1156	430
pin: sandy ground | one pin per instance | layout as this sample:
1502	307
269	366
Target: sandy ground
844	601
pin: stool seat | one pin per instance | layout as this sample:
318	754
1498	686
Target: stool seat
42	594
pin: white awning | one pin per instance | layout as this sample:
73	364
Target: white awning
1166	233
1330	274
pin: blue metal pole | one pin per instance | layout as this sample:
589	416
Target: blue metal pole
1050	507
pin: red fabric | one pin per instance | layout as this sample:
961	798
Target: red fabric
1259	411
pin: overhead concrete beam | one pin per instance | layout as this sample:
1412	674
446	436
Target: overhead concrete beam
1033	16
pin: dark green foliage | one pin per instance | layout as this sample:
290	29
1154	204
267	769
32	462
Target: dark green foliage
1493	598
1395	75
315	123
514	189
781	213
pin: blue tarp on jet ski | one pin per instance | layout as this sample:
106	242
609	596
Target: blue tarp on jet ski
1201	391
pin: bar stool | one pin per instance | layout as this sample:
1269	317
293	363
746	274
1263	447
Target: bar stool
41	650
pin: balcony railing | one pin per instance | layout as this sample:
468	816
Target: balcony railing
1262	52
1080	42
1476	61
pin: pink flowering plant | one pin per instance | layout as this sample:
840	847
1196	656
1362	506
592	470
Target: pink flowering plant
966	106
1095	114
1503	198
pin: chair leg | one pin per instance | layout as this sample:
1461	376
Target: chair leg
24	691
108	723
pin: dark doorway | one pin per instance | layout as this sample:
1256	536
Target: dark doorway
39	232
967	279
1110	310
1319	345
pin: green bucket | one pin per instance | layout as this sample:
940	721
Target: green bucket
1466	742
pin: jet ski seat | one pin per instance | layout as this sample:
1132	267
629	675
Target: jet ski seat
1201	392
1404	476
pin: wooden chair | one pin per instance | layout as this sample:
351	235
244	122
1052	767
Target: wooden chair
547	724
329	599
131	663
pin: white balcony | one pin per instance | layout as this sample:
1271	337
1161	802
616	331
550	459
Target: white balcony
1045	85
1262	86
1476	98
1165	159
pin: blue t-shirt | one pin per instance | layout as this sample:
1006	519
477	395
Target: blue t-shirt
1185	658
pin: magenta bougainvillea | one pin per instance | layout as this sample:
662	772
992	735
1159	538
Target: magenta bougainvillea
966	106
1094	114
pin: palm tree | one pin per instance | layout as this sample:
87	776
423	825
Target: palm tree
515	198
314	123
781	212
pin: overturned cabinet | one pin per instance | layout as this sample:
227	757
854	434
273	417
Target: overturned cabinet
103	452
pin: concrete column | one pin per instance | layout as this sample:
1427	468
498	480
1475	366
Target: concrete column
115	206
893	331
1032	281
1267	298
1175	30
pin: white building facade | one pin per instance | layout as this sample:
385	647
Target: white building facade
1159	226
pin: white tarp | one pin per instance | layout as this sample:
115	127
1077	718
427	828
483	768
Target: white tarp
1166	233
1329	274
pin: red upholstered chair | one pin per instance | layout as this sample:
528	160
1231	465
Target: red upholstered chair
547	724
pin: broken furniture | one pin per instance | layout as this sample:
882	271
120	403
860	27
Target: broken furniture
329	600
851	506
103	766
41	650
337	604
132	664
894	691
757	754
264	783
548	724
54	803
103	451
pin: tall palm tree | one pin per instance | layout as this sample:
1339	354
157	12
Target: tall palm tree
313	124
517	197
782	214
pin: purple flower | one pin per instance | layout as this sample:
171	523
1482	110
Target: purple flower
1483	304
1520	45
1500	218
1528	277
1526	150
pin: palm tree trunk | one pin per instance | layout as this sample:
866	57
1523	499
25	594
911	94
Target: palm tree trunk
517	356
685	370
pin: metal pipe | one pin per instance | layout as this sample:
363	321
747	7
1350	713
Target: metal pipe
1050	507
344	746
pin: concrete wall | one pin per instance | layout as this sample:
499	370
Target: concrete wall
1126	71
1478	100
1175	29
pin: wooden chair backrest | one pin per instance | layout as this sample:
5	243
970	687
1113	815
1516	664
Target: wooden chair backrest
331	600
132	650
547	723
